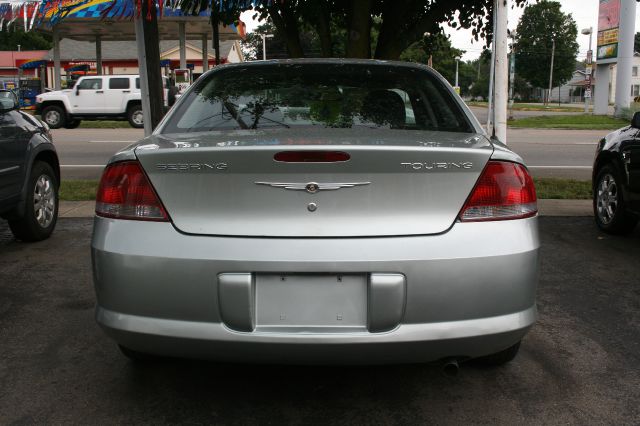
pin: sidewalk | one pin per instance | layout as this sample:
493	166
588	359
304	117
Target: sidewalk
546	207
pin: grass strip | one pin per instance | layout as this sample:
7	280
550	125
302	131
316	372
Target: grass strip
570	122
552	188
105	124
533	107
563	189
78	190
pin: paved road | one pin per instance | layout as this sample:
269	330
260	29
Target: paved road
559	153
579	365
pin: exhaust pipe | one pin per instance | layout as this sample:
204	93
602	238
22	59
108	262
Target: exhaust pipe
451	367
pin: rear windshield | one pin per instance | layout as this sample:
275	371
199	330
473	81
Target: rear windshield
327	95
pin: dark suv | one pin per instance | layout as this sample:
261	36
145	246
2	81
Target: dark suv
616	180
29	172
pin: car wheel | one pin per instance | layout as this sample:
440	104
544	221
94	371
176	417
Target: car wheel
609	205
135	117
72	124
41	210
54	116
500	358
136	356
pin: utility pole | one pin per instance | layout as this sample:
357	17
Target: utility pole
457	65
553	54
501	90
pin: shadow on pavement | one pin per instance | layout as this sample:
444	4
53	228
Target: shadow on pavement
578	365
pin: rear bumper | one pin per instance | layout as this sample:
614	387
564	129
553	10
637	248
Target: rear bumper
467	293
407	344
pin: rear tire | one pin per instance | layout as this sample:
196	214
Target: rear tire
41	209
135	117
500	358
54	116
72	124
609	206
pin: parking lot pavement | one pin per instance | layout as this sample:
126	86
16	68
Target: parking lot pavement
579	365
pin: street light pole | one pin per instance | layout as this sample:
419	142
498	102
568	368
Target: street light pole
588	70
457	64
553	54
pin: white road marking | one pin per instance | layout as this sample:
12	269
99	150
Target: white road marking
81	166
112	142
561	167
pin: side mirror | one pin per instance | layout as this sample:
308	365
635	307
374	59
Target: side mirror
77	91
635	121
8	101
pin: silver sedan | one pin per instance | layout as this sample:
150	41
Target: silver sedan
317	211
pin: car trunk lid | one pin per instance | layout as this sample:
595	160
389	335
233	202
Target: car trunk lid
393	183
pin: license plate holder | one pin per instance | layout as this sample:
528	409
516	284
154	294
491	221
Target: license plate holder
313	302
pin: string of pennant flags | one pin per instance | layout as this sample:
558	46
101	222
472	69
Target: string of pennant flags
31	14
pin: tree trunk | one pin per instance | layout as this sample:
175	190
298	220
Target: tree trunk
152	49
286	22
389	46
402	26
359	29
323	26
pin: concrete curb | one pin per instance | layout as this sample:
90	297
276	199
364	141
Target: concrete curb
78	209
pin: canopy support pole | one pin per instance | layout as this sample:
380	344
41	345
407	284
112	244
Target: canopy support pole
57	75
144	82
182	34
205	54
98	55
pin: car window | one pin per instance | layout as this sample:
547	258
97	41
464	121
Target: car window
118	83
137	82
90	84
329	95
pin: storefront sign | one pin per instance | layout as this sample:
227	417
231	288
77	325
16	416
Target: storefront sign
608	31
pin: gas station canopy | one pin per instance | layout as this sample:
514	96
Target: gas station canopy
106	19
86	29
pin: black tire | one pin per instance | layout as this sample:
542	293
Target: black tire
54	116
609	206
72	124
39	220
134	115
499	358
137	357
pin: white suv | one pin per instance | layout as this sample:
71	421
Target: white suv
96	97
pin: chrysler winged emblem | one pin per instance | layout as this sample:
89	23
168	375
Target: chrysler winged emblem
312	187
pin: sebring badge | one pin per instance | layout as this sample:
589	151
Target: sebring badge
312	187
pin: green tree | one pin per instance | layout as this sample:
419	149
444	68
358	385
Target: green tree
443	55
360	28
482	69
15	35
541	25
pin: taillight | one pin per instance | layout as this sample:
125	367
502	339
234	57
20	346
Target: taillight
126	193
504	191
